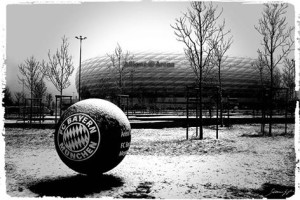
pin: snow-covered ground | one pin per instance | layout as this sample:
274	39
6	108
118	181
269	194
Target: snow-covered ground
161	163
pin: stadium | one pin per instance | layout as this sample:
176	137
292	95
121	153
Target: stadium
162	78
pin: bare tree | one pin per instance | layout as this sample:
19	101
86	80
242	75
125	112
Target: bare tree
20	98
260	67
277	78
131	75
8	99
221	45
277	42
49	99
40	90
119	66
288	77
20	101
59	68
32	74
196	29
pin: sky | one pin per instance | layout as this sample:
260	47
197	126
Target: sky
32	29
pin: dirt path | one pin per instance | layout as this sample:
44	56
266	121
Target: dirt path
160	164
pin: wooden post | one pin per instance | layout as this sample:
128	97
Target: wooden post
197	113
217	119
187	114
286	108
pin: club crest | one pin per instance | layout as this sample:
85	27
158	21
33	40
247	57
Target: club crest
78	137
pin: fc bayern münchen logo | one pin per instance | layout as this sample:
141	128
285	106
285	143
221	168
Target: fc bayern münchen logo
78	137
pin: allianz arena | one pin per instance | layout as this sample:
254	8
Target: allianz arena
164	77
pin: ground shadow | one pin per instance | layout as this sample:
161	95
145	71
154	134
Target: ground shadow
141	192
75	186
251	135
259	134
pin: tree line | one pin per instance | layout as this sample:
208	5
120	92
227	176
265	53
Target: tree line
206	41
33	73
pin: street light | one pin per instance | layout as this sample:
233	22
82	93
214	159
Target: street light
80	38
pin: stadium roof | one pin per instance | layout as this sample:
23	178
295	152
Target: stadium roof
164	74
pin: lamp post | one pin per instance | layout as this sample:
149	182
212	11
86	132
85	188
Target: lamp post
79	81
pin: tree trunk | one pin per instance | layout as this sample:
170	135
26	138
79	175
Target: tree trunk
60	102
200	109
221	99
271	90
271	104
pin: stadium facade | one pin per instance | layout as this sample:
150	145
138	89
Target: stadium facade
163	77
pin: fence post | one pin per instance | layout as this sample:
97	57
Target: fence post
217	119
187	114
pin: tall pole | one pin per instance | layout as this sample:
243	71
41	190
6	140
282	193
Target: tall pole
80	38
23	92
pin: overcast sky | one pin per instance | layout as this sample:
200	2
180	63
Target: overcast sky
33	29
